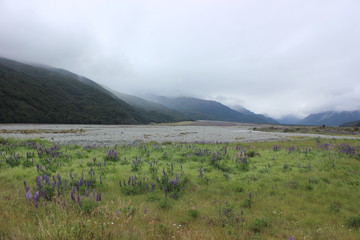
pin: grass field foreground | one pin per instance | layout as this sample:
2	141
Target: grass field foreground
296	189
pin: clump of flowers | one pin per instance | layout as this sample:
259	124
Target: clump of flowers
112	155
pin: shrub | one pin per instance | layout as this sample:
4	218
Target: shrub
335	207
259	224
353	222
193	213
88	205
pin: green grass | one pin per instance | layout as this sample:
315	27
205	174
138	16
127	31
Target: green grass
326	130
308	189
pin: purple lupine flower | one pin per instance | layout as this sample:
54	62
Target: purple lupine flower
38	181
27	188
98	197
59	178
276	148
28	195
36	198
86	193
291	149
81	182
173	182
291	238
72	194
309	167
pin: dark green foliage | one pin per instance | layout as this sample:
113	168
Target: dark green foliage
247	203
165	204
259	224
193	213
353	222
88	205
13	160
49	192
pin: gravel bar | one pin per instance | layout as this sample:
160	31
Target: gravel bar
132	134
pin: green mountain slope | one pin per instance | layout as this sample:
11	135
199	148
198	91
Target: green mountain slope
201	109
157	112
34	94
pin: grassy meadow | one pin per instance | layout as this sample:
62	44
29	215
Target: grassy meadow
296	189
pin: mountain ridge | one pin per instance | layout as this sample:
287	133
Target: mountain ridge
30	94
202	109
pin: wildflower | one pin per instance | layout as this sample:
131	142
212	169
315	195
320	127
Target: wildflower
72	194
36	198
28	195
38	182
81	182
98	197
59	178
47	180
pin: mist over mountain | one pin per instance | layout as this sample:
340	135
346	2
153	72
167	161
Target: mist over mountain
247	112
201	109
289	119
38	94
34	93
331	118
157	112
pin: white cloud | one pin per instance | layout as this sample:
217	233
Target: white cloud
274	57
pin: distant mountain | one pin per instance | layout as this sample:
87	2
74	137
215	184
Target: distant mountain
289	119
42	94
351	124
157	112
200	109
247	112
331	118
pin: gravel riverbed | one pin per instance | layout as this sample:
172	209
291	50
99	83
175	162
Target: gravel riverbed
127	134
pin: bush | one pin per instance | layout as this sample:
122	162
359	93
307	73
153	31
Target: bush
88	205
259	224
194	213
353	222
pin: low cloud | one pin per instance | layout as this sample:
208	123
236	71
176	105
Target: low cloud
276	58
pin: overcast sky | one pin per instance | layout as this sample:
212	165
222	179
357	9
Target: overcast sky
273	57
